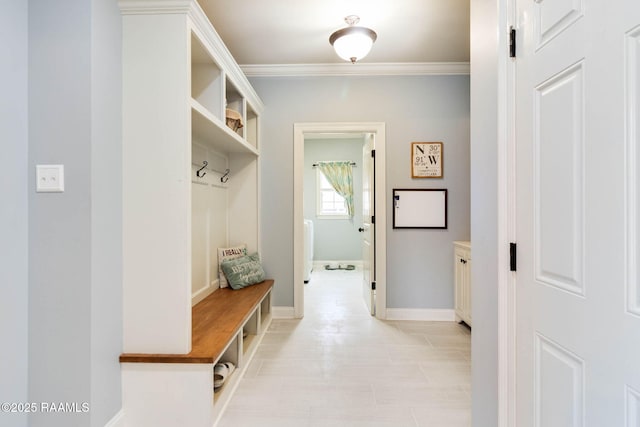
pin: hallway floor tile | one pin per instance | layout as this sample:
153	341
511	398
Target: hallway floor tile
340	367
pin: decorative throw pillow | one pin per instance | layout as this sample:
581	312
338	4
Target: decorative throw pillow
244	271
225	254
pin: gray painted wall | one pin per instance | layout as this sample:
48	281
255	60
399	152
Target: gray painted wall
433	108
60	223
335	239
485	46
14	207
106	211
75	295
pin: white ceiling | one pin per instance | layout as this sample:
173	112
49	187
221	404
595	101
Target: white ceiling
294	32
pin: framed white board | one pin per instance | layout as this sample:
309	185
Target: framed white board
420	208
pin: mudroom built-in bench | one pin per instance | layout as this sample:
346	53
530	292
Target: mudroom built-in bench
227	326
191	187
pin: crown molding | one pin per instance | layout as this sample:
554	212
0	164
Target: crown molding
358	69
135	7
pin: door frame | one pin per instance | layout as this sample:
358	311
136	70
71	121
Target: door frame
299	132
507	220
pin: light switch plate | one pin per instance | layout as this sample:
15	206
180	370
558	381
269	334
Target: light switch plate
49	178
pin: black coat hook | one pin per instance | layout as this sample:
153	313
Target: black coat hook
224	178
199	172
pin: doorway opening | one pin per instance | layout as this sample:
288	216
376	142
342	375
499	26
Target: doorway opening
332	240
333	131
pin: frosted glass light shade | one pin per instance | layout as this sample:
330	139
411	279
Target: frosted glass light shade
353	43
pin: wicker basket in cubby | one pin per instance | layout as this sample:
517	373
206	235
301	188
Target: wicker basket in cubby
234	119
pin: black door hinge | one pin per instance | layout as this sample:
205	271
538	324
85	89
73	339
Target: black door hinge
373	153
513	256
373	219
512	42
373	286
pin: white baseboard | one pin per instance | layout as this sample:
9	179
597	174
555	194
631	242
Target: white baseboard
423	314
117	420
283	312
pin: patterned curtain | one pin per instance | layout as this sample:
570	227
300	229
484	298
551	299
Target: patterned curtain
340	176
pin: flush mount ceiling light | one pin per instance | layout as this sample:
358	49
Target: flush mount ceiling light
353	43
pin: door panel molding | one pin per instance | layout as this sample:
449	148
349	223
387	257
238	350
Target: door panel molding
559	385
554	18
559	180
632	118
632	418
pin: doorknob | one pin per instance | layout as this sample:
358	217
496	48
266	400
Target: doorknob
361	229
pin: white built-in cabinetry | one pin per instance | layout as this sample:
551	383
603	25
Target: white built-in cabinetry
462	278
178	80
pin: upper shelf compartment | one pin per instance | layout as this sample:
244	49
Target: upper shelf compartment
211	131
237	105
207	79
224	107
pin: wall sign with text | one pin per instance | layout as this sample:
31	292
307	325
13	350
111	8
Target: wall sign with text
426	160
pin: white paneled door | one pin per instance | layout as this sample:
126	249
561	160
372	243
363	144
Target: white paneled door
368	227
578	293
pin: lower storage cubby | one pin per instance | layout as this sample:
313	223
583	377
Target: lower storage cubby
232	359
265	312
250	330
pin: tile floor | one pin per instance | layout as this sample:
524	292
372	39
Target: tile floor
341	367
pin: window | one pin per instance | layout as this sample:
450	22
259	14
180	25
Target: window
329	204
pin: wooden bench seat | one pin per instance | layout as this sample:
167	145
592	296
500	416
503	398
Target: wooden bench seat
215	321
